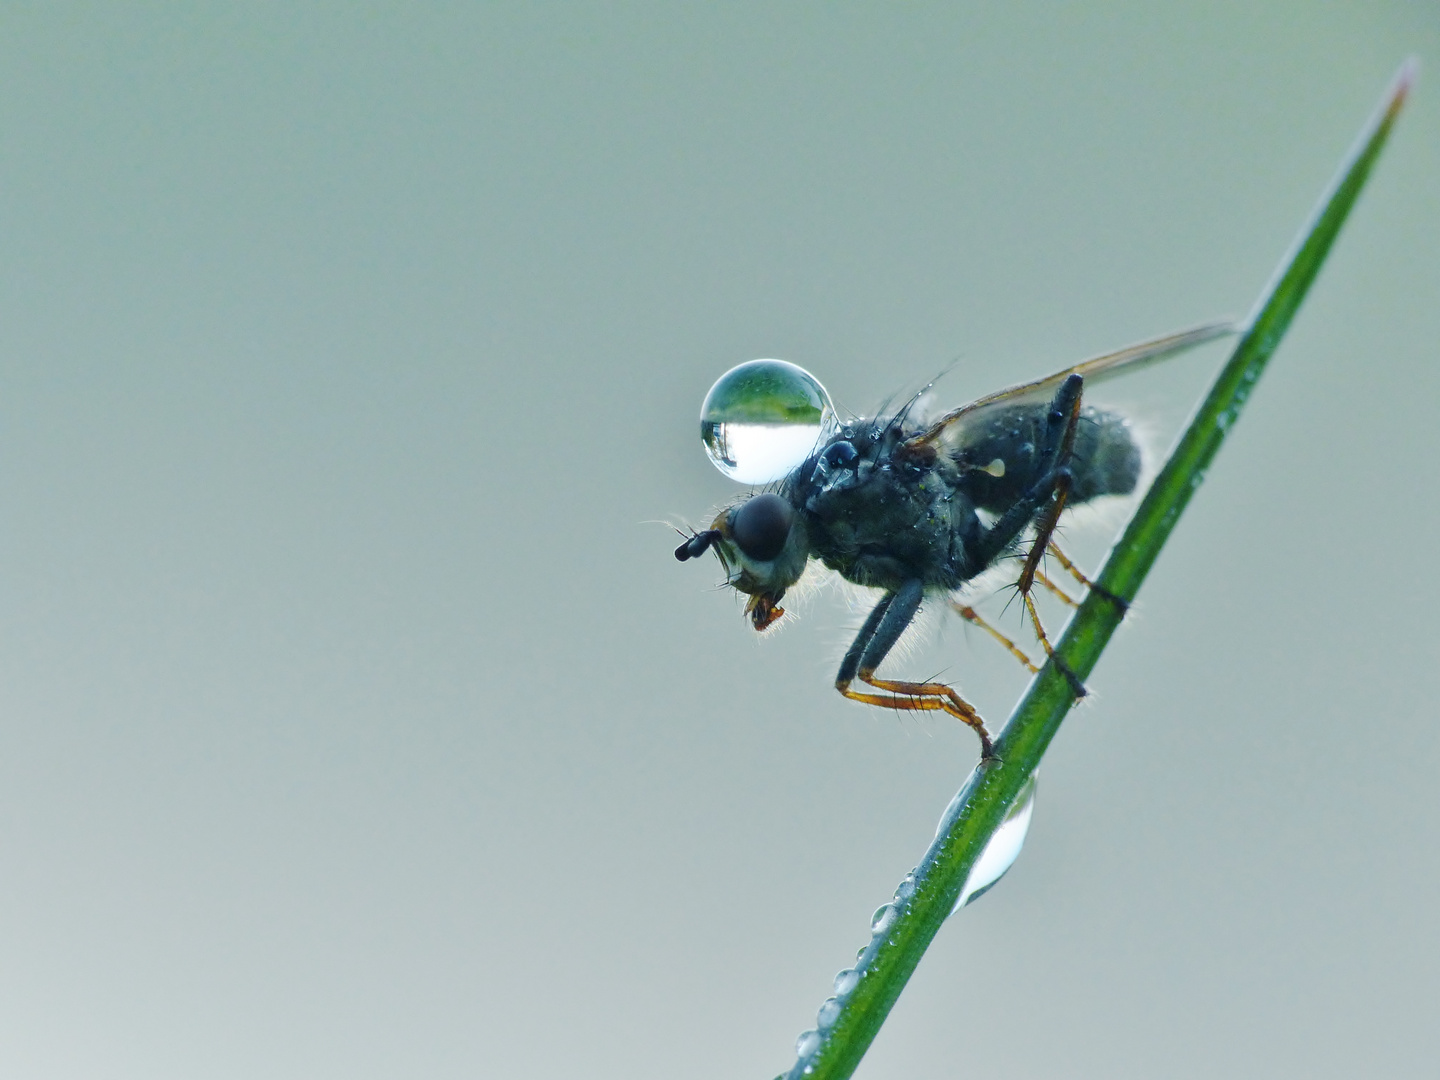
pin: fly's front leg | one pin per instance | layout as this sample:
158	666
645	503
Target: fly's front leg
876	638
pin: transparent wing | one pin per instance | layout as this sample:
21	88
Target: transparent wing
951	427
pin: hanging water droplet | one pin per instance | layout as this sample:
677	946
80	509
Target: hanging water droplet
1002	850
882	919
828	1014
846	981
763	418
807	1044
905	889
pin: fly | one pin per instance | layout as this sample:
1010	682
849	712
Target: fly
910	507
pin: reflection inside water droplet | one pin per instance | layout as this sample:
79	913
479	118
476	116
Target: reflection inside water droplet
763	418
1002	850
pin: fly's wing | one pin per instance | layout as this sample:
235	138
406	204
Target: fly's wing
951	428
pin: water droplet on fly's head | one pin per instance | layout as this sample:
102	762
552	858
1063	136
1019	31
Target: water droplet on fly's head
1002	850
763	418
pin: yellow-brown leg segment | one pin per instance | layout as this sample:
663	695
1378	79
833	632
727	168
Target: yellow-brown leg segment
970	615
1054	549
1055	590
1075	572
1035	622
1074	680
921	697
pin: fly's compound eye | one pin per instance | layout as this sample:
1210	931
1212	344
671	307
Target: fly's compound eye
760	527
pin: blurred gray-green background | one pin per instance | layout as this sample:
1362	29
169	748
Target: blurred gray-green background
355	719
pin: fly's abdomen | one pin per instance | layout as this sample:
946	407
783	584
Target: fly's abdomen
998	465
1107	457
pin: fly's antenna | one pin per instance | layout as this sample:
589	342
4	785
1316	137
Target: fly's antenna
697	545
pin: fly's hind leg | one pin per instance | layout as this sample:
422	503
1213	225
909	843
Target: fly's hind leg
1070	568
1075	572
876	638
1061	424
1064	416
1054	589
972	616
1039	508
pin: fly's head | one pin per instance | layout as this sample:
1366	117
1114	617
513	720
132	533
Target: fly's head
762	545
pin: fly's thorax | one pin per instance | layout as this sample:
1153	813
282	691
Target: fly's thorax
882	511
763	545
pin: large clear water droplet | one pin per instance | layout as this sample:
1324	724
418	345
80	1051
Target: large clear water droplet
763	418
1002	850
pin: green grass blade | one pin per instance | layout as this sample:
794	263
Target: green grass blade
981	805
